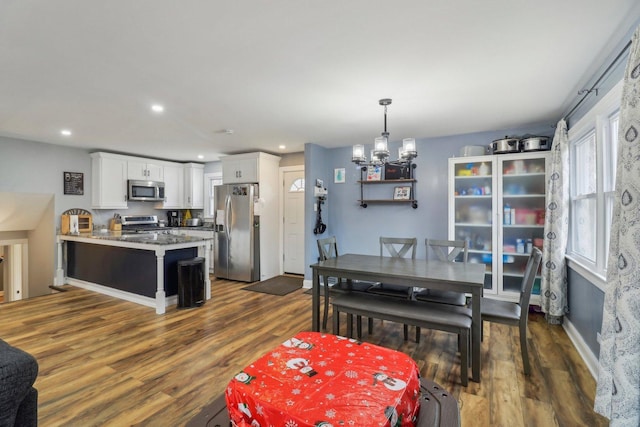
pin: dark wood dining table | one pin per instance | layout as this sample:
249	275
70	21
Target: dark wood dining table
459	277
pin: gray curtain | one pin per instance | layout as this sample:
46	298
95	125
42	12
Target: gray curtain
553	288
618	390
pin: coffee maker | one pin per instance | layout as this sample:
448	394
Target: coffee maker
175	218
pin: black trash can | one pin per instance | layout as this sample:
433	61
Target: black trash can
191	282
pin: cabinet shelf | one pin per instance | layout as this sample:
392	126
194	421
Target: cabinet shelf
484	196
523	175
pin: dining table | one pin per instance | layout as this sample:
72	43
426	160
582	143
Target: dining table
429	274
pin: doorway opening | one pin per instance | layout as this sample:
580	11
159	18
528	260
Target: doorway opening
13	270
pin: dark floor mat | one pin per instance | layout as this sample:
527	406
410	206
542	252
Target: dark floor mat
279	285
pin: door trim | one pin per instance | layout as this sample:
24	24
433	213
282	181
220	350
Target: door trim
281	171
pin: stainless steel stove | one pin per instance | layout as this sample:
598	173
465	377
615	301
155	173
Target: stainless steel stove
142	224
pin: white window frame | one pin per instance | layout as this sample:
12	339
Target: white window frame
209	180
596	120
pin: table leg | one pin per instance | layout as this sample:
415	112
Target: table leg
315	302
476	333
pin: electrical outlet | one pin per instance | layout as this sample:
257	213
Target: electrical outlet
598	337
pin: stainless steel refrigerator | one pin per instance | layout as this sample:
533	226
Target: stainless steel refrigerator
237	233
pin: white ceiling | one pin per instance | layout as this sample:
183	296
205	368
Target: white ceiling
291	71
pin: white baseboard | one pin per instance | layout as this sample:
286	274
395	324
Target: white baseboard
116	293
307	284
581	346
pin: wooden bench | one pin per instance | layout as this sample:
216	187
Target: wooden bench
451	319
438	408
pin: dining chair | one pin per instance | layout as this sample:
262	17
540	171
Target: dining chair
448	251
515	314
397	247
327	249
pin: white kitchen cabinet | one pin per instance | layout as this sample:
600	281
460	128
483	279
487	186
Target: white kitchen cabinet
108	181
207	234
141	169
193	186
241	168
173	187
498	204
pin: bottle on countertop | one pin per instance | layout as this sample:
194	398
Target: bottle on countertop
185	217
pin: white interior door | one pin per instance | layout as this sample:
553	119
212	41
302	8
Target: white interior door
293	222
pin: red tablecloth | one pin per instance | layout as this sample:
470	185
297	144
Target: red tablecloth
316	379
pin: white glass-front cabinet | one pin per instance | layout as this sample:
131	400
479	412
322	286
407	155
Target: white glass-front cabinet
497	203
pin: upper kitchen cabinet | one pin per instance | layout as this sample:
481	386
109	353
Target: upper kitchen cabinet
173	186
194	186
142	170
108	181
241	168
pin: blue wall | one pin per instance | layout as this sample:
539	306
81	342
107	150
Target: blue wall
358	229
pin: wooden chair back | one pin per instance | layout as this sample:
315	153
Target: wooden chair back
527	282
398	247
448	250
327	248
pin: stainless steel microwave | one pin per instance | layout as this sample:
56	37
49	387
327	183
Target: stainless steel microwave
146	191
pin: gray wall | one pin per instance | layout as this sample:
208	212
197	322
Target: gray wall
34	167
585	308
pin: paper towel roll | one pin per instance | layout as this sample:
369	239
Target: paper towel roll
73	224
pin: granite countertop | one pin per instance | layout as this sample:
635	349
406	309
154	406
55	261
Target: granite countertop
150	238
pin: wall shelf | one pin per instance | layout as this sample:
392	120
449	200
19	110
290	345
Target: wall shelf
404	182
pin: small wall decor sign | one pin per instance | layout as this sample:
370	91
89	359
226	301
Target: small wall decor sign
338	175
73	183
402	193
374	173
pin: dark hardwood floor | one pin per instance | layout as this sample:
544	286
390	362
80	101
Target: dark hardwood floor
107	362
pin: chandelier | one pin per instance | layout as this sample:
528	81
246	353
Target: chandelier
380	152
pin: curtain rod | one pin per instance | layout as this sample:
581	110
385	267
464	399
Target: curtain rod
587	92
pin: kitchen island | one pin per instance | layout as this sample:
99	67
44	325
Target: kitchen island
140	267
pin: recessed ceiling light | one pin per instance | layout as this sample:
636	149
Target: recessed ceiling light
200	156
157	108
282	146
229	131
65	132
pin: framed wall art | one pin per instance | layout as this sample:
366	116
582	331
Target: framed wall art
402	193
73	183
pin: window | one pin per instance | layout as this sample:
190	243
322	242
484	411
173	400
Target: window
593	155
297	186
583	200
210	181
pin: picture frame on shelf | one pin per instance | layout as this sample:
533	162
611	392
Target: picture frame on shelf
374	173
402	193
